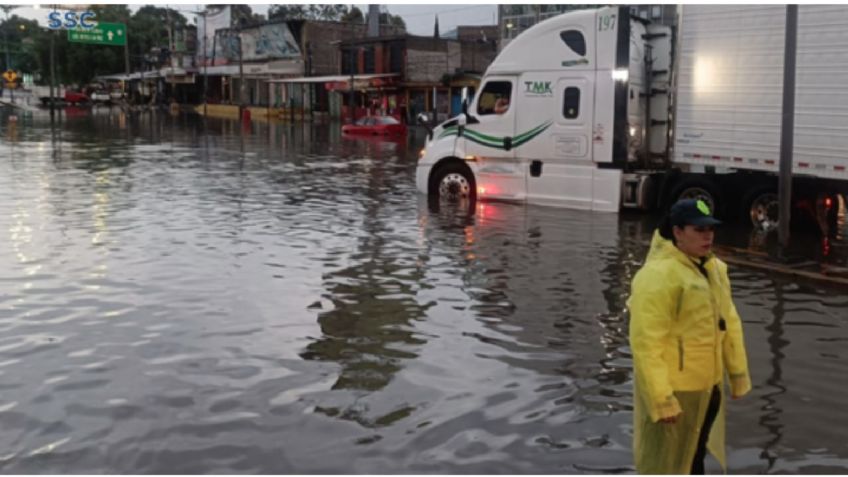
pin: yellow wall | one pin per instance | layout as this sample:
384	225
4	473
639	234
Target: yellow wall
232	111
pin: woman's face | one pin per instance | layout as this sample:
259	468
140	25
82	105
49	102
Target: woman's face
694	240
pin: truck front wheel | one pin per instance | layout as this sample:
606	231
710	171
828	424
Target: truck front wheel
453	183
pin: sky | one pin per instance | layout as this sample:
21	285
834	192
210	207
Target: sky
419	18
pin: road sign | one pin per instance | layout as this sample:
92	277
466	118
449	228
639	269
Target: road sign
10	76
103	34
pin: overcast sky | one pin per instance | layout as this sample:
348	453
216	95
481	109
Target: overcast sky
419	18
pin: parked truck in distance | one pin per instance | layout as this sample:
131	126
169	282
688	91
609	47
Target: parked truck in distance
602	111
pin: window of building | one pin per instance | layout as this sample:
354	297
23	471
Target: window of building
368	60
348	62
571	103
574	40
495	98
656	11
396	58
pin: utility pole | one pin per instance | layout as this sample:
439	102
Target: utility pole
787	125
205	67
127	49
52	34
350	87
171	52
241	76
205	59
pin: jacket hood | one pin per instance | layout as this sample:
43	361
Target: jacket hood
663	248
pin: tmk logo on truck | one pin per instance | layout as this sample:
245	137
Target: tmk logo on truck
538	88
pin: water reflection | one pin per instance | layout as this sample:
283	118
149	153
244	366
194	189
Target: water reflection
770	418
544	289
369	331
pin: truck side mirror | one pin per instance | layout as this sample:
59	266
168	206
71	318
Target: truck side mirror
424	120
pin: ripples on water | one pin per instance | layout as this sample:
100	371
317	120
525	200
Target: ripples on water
279	299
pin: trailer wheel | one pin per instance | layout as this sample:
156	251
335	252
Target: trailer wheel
453	183
763	209
699	189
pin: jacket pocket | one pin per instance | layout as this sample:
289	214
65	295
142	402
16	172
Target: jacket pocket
680	353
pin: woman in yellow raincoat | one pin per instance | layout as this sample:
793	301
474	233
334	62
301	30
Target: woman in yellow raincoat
684	333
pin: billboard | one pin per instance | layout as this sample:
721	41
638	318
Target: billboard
266	42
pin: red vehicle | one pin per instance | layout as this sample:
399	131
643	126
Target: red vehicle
376	126
76	97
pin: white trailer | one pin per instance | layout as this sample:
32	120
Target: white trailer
607	111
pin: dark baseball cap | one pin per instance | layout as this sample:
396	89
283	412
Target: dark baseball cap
692	212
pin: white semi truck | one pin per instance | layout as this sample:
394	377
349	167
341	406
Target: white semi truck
599	110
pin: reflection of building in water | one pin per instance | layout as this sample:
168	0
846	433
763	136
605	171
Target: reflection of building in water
369	333
369	328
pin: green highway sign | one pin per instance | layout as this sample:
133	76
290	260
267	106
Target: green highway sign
103	34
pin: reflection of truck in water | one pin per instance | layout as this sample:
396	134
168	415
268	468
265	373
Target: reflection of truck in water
608	111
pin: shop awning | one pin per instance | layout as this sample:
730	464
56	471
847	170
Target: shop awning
131	76
340	82
254	70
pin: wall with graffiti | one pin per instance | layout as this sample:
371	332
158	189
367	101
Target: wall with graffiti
266	42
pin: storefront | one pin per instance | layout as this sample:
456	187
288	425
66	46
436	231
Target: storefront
331	95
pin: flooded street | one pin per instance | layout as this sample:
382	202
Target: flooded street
180	298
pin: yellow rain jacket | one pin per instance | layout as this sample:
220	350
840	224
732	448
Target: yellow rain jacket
680	351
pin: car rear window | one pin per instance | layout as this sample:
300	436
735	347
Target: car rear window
388	120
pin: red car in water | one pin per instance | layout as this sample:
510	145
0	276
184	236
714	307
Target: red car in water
376	126
76	97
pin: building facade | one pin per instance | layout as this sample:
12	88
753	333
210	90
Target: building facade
418	74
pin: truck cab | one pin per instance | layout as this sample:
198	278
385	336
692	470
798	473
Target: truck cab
558	116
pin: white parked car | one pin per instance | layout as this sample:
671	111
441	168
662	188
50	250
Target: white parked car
101	97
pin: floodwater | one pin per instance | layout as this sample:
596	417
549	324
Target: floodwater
183	298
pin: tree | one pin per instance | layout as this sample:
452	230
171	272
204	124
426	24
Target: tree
353	16
241	15
17	34
287	12
397	20
325	12
148	31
